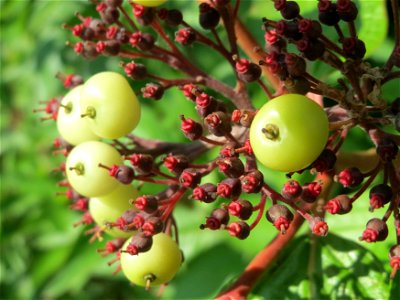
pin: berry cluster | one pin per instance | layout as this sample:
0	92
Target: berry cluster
290	133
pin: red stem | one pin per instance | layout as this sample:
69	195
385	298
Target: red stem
243	285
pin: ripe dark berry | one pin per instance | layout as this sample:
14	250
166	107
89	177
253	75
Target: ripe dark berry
218	217
190	178
280	216
229	188
341	204
218	123
144	41
350	177
191	128
243	117
172	17
319	226
296	65
241	208
142	163
185	36
152	226
387	149
125	174
291	190
146	203
176	163
312	49
206	192
239	229
354	48
297	85
153	91
135	71
209	16
310	28
139	243
327	13
325	162
347	10
231	167
376	231
252	182
247	70
379	195
288	29
205	104
310	192
291	10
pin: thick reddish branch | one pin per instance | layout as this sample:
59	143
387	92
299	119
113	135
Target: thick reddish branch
243	285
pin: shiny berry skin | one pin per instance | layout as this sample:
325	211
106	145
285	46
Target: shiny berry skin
155	266
83	170
109	105
289	133
110	207
71	126
149	3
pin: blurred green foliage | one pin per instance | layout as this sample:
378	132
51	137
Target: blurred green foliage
44	257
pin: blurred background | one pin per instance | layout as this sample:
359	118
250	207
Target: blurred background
42	255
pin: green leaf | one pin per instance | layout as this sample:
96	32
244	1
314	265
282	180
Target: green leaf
325	268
